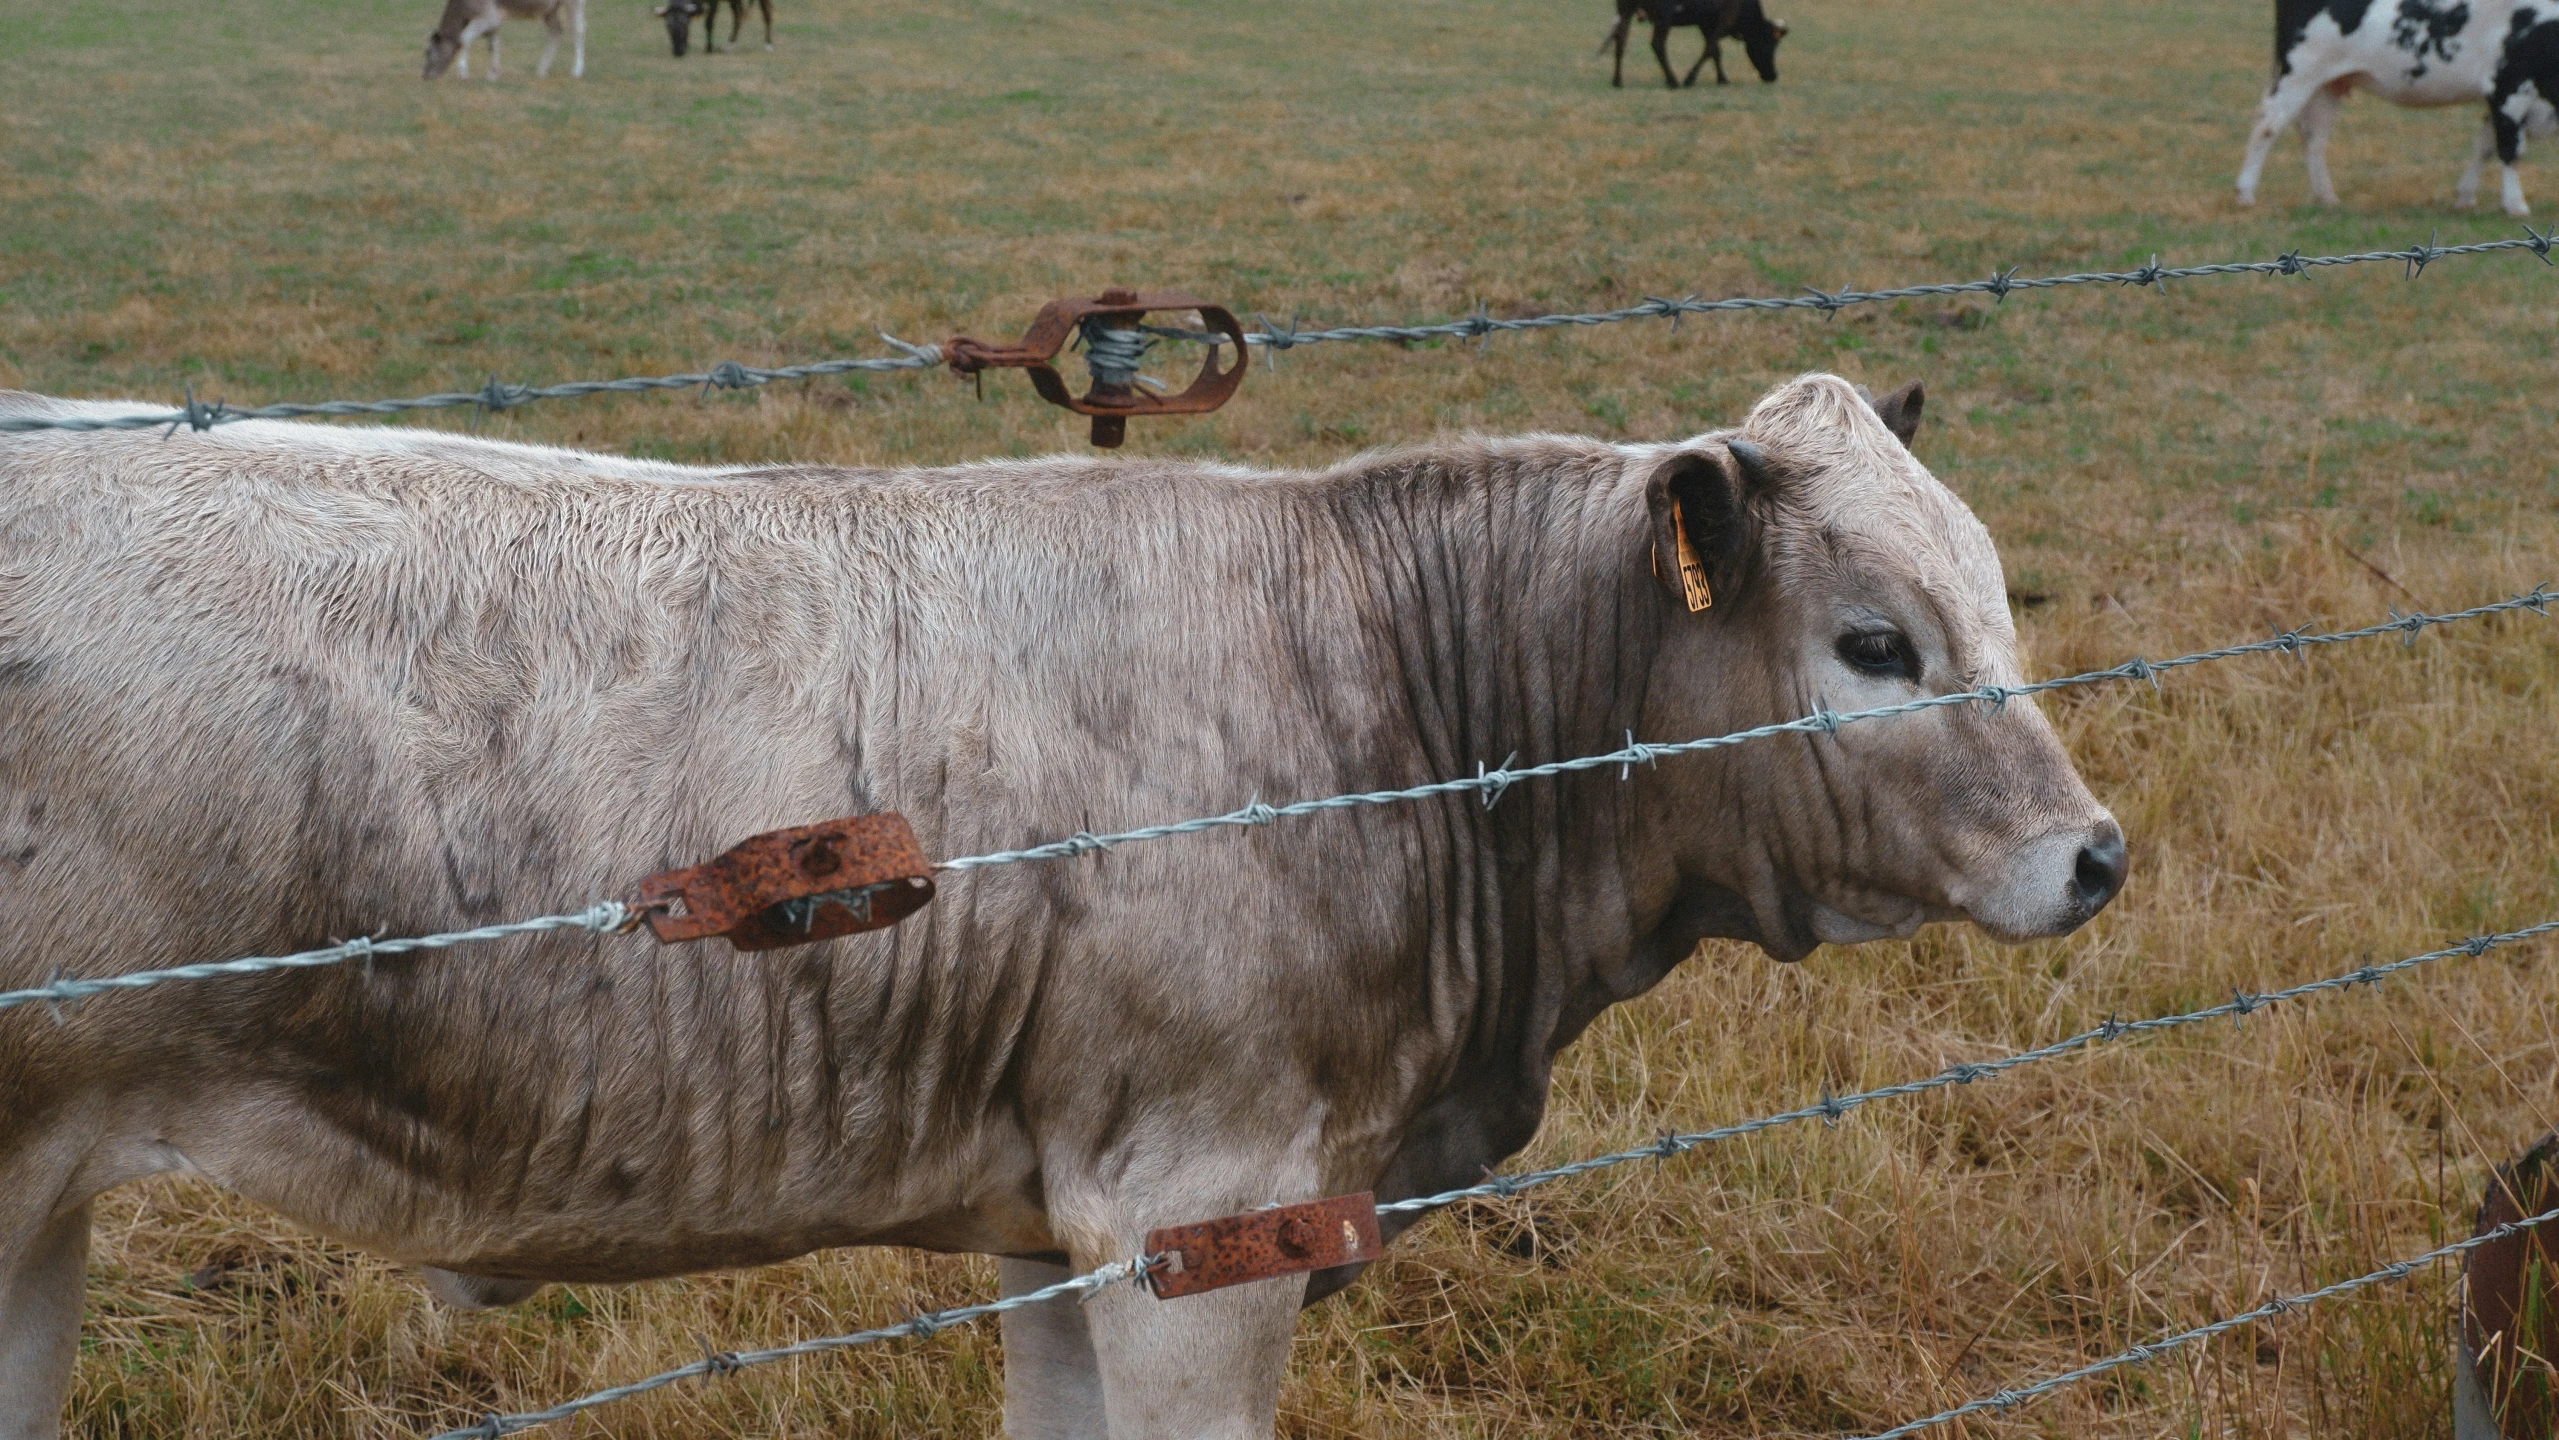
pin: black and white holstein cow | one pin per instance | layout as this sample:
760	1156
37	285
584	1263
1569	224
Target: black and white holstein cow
679	16
449	44
279	683
2416	53
1743	20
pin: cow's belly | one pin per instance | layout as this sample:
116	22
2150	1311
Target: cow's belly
603	1220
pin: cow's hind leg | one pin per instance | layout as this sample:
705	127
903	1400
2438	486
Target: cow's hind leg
41	1279
2282	106
1052	1382
767	6
550	45
1661	54
2318	118
2465	192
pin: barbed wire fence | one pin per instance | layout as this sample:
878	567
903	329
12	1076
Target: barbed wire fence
613	916
610	916
497	396
1830	1109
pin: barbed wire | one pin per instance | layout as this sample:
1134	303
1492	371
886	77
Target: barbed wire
604	918
493	397
1830	1110
1482	325
1493	782
729	1362
2142	1354
608	916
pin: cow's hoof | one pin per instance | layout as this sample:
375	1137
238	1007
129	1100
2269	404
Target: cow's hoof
2465	202
2518	211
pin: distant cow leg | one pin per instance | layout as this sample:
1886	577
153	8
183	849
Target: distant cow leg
1617	37
1661	54
1714	51
41	1277
767	7
1052	1382
2283	105
2465	192
2317	119
550	44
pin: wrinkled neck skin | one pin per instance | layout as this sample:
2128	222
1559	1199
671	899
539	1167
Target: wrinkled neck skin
1523	619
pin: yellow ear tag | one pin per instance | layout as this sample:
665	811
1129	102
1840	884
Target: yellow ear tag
1692	571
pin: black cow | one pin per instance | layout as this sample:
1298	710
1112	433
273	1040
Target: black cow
1743	20
679	23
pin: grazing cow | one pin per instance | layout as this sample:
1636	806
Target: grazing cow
2416	53
277	683
1744	20
467	20
679	14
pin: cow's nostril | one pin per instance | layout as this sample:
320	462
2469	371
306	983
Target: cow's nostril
2100	871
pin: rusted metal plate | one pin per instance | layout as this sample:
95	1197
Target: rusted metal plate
2510	1309
1260	1244
1110	405
794	887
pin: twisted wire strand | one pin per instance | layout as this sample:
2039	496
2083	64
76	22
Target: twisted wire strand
494	396
1493	782
729	374
1998	286
731	1361
2142	1354
603	918
608	916
1830	1109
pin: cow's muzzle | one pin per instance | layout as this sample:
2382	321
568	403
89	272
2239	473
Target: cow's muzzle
2054	883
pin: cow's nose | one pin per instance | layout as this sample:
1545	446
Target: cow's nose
2100	871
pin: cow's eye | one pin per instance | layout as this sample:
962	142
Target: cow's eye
1880	652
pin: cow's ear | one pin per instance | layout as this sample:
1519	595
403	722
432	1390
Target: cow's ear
1900	411
1694	502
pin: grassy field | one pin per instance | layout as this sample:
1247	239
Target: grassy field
265	202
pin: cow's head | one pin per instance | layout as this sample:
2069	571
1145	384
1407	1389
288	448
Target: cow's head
1759	36
1842	575
441	47
679	22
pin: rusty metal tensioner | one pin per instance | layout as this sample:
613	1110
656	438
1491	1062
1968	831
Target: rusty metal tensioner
1113	345
794	887
1261	1244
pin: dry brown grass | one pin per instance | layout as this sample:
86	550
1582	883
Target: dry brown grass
284	211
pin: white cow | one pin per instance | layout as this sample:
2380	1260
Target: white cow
280	682
2416	53
467	20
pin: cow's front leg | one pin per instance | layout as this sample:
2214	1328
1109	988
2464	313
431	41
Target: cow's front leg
40	1290
1661	54
1052	1382
1202	1367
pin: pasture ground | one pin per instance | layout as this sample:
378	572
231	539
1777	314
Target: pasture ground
265	202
